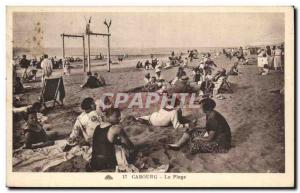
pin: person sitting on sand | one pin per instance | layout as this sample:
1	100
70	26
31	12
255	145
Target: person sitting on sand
158	74
198	76
166	116
91	81
234	70
85	125
139	64
181	86
100	79
32	75
214	138
185	62
179	74
154	63
34	134
152	86
206	87
105	141
18	86
218	79
147	65
147	78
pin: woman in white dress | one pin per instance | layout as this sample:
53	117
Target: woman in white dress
277	58
260	62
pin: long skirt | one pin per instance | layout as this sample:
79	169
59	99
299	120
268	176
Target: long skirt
277	62
270	61
199	146
260	62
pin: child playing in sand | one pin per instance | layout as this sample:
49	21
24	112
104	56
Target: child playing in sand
111	145
35	135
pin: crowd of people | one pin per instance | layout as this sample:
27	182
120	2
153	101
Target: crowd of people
203	81
270	58
100	130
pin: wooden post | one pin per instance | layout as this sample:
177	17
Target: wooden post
83	45
89	53
108	24
108	49
63	46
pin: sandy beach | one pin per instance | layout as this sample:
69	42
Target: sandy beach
255	115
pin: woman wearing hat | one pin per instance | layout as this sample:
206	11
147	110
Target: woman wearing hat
215	137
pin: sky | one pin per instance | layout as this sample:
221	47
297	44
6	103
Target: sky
151	30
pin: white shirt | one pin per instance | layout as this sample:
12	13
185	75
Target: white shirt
165	117
47	67
84	126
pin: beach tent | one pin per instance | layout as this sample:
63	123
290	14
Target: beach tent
53	90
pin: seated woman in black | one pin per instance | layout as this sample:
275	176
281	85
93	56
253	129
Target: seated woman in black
216	137
105	137
91	81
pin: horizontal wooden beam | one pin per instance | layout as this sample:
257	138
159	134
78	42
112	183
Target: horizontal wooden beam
73	36
98	34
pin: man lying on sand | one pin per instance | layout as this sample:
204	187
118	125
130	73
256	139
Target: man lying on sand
110	143
166	116
216	137
85	125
